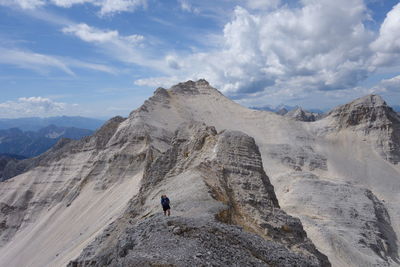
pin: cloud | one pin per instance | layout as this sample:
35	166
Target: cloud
115	6
107	7
24	4
129	49
262	4
90	34
392	84
91	66
306	46
387	45
188	7
34	61
31	106
288	52
69	3
45	63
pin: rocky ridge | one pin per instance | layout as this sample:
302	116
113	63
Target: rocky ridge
220	183
241	195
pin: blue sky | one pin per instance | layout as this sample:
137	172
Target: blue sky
101	58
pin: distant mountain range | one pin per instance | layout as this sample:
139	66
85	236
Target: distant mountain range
36	123
294	112
283	109
16	143
7	161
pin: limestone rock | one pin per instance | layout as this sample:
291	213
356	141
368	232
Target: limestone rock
371	116
229	165
246	186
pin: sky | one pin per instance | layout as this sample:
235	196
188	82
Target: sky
101	58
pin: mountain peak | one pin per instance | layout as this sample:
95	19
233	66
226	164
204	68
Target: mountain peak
372	116
369	100
366	109
193	88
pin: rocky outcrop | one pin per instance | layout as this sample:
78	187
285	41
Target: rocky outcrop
371	116
364	223
193	88
230	166
298	158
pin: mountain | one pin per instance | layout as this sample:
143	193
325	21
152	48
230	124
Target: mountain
247	188
35	123
295	112
6	160
278	108
30	144
302	115
370	116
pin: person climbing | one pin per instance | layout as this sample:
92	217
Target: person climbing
165	205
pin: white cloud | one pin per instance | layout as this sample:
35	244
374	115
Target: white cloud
91	66
128	49
134	38
34	61
387	45
69	3
24	4
262	4
45	63
322	45
392	84
90	34
321	48
107	7
188	7
115	6
31	106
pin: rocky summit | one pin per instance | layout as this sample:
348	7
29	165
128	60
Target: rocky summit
247	188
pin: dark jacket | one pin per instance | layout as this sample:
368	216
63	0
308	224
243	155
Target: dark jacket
165	201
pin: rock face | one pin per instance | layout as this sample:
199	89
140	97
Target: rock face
206	226
298	158
247	188
53	180
372	117
364	222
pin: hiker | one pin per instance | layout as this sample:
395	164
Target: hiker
165	205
